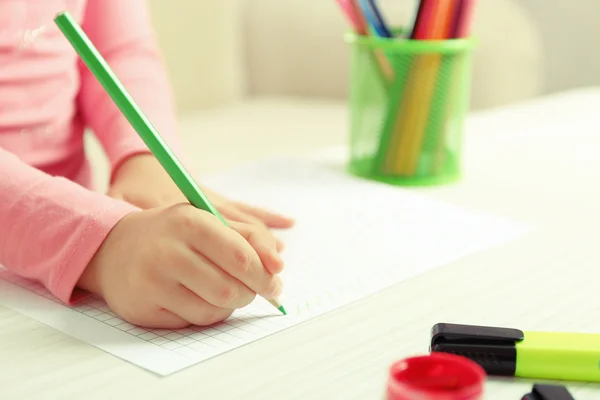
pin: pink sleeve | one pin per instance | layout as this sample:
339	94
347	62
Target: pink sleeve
123	34
50	227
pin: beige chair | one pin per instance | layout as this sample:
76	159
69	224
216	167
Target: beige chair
225	51
256	77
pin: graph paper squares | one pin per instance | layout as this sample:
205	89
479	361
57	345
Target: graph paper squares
193	342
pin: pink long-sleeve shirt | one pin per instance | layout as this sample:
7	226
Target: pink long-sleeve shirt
51	220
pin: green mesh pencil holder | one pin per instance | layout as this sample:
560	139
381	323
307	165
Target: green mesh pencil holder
408	100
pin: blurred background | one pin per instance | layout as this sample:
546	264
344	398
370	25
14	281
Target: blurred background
256	78
228	51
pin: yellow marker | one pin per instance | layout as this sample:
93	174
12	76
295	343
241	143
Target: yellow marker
413	119
416	104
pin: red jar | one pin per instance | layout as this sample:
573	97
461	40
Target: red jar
438	376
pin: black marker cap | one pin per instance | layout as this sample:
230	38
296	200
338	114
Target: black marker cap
492	348
548	392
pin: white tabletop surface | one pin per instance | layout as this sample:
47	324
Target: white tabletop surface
538	162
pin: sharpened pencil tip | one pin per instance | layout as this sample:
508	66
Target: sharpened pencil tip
280	308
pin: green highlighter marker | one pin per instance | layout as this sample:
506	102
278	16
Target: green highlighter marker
532	355
113	86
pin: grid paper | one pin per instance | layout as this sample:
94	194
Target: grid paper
192	342
327	265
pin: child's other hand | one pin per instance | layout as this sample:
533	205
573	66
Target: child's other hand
174	266
142	181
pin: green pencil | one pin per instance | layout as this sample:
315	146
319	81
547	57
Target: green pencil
113	86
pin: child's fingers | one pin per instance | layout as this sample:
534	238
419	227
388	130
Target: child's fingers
185	304
231	213
234	214
153	318
263	243
206	235
280	244
165	319
211	283
270	219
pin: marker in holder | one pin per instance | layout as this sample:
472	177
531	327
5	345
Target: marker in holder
407	130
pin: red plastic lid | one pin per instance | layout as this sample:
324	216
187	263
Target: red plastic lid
439	376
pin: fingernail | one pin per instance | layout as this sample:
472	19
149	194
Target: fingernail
277	258
280	245
277	288
285	218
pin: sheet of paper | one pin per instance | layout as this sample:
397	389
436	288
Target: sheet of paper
352	239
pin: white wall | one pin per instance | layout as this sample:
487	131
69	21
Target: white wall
217	51
296	47
570	30
200	43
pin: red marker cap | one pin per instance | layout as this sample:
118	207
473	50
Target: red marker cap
439	376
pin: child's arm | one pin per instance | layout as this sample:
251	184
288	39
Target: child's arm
165	267
50	227
122	32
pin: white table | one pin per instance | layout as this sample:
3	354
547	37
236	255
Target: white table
538	162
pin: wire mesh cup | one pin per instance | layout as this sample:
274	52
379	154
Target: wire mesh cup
408	100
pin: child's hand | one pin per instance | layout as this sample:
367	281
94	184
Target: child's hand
175	266
142	181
